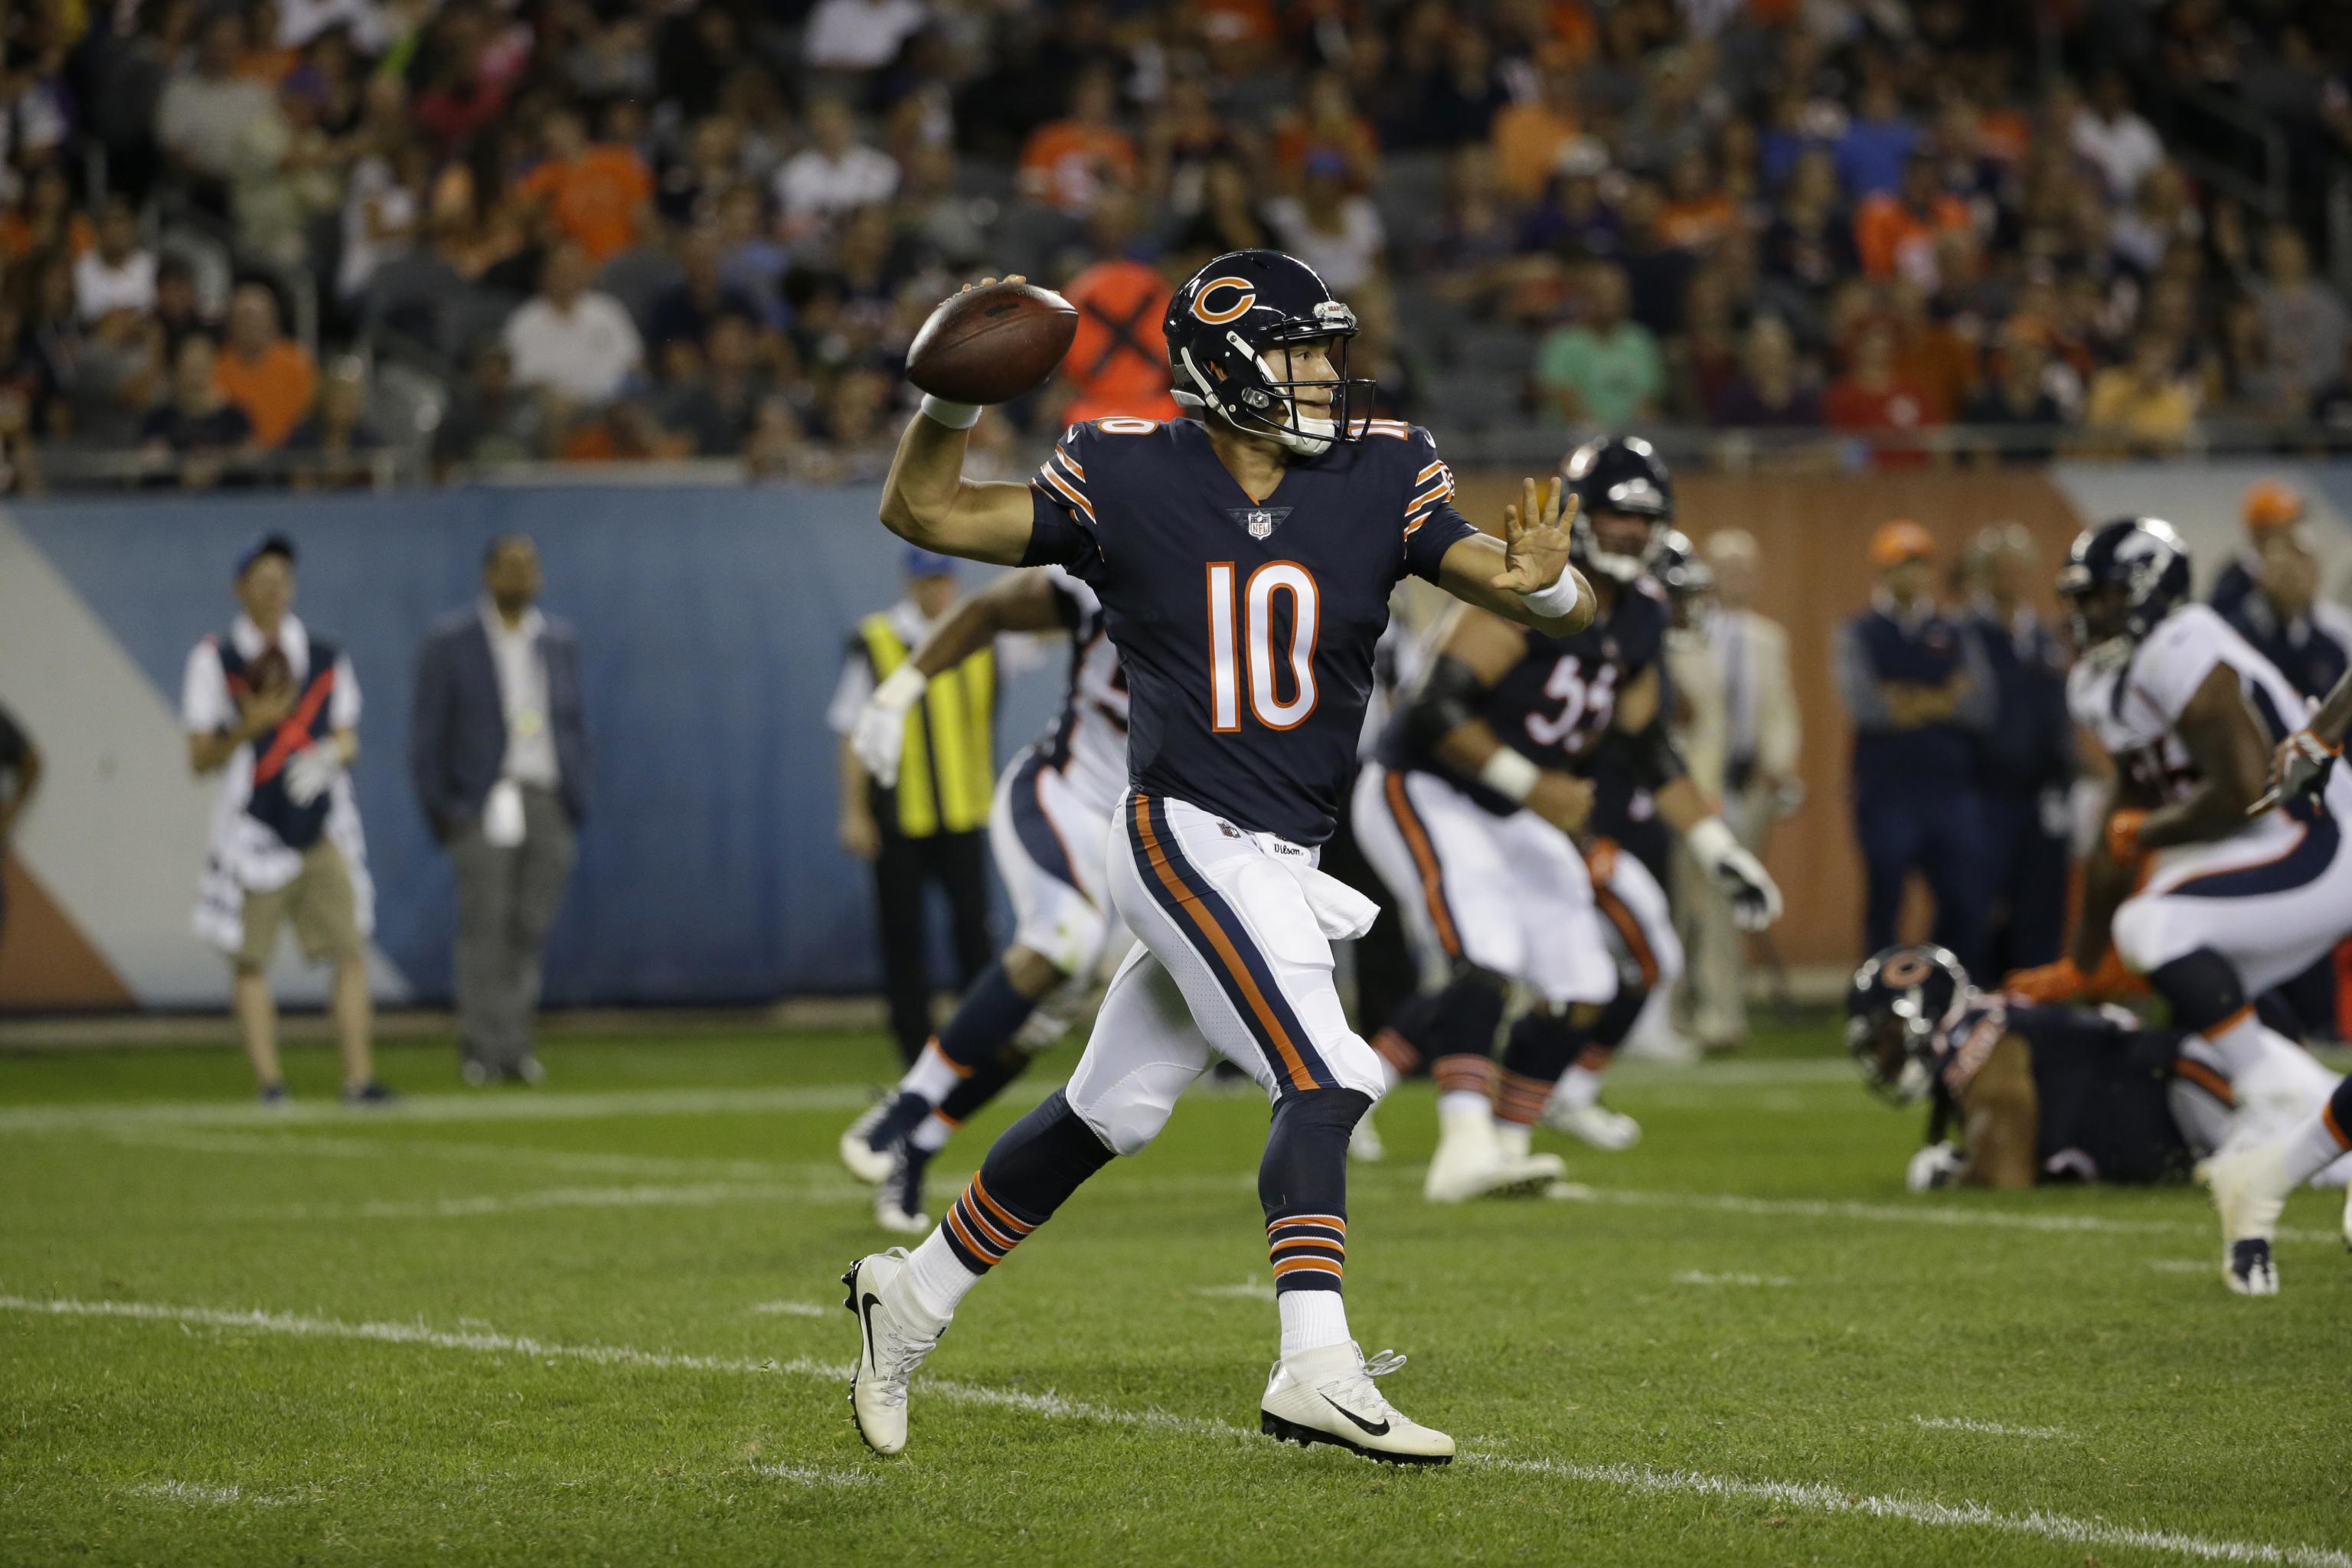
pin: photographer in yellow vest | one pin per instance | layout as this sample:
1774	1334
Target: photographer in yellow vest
932	827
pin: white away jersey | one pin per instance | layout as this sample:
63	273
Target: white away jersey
2134	711
1088	741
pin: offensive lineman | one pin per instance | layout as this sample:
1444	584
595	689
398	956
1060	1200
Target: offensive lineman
2191	714
1047	829
1472	813
1244	561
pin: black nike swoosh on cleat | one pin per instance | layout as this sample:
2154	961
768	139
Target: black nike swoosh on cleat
1379	1431
865	1310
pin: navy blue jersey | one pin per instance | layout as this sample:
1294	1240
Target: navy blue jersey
2102	1083
1555	705
1245	627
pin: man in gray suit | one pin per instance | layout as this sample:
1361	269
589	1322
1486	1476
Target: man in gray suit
499	757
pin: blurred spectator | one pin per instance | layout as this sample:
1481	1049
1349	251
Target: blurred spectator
1895	231
271	377
116	274
596	194
1877	143
209	105
2304	319
2146	401
2016	397
20	765
2283	615
179	311
491	420
2331	406
1606	370
1328	128
834	174
1338	234
2027	753
1067	163
1873	399
1767	393
44	219
860	34
1920	692
701	295
1229	218
198	430
2108	136
284	173
1808	244
1696	213
336	446
1530	136
1118	362
571	339
383	208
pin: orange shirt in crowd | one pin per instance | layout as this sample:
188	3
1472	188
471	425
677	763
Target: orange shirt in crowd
1118	363
597	199
274	390
1886	231
1528	138
1941	363
1697	224
1066	162
17	235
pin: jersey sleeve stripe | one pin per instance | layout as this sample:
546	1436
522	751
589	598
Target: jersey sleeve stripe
1423	477
1077	499
1071	464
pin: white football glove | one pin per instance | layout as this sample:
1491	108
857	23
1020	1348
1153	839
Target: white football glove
2300	766
1934	1166
1755	897
313	772
880	732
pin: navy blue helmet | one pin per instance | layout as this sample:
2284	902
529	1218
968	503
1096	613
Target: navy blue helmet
1899	1003
1222	327
1620	474
2143	557
1676	565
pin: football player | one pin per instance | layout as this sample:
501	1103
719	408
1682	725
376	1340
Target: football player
2226	905
1244	560
2056	1094
1047	829
2303	762
1483	785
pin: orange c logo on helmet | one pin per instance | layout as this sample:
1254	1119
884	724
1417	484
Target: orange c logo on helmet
1905	969
1201	299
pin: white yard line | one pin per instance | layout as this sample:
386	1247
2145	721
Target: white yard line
1248	1290
815	1475
1985	1428
1904	1213
1813	1497
304	1145
189	1492
1697	1277
790	1310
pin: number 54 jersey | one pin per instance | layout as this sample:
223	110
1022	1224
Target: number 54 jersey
1246	627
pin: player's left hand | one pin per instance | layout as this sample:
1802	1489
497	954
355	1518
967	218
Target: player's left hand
1733	868
2059	982
313	772
880	733
2299	767
1936	1165
1534	540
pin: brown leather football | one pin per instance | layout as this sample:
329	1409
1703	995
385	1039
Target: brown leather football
993	343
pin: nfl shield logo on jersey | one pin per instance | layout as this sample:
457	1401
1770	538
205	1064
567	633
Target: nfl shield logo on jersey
1258	522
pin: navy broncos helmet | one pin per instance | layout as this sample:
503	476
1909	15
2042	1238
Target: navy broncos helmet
1676	565
1900	1000
1224	322
1620	474
2140	555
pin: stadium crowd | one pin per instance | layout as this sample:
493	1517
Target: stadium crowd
611	230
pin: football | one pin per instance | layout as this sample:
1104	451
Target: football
993	343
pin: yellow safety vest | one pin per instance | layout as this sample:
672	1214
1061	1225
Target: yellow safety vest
948	772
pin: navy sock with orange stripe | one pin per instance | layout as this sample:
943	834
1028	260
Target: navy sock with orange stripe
1029	1172
1303	1183
1540	1050
1460	1036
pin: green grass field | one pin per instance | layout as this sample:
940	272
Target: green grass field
599	1322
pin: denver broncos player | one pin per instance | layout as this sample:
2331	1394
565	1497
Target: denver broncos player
2229	905
1471	813
1047	829
2047	1093
1244	560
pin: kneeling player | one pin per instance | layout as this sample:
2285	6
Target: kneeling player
1048	830
1470	815
2047	1093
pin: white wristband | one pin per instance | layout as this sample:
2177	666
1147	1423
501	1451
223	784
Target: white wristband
902	687
1711	841
954	415
1557	602
1509	774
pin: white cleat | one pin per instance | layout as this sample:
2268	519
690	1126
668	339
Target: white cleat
1611	1131
2347	1219
898	1201
894	1336
867	1163
1472	1162
2249	1188
1364	1145
1327	1396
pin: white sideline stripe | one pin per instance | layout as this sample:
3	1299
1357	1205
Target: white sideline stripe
1696	1277
1902	1213
307	1145
2183	1265
1808	1495
1250	1290
815	1475
189	1492
788	1309
1989	1428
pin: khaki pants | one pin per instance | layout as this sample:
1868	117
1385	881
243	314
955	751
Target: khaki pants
1710	1005
318	904
507	898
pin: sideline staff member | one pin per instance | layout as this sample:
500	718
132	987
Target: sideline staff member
933	825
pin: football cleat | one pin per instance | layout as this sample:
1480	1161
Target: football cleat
867	1163
898	1201
1595	1124
894	1338
2249	1188
1472	1161
1327	1396
1364	1145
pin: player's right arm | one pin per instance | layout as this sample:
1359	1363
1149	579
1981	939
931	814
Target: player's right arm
927	500
1478	649
2000	1119
1017	602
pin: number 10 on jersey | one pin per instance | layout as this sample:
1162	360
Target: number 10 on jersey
1242	632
